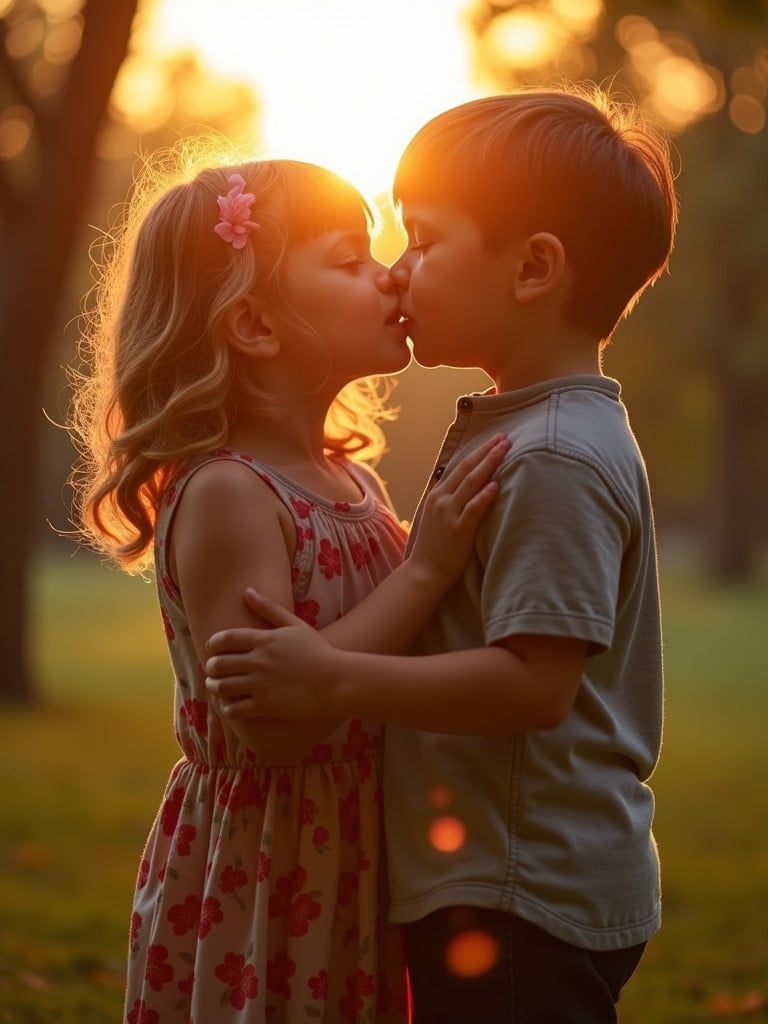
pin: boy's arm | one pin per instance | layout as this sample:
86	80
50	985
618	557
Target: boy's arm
528	682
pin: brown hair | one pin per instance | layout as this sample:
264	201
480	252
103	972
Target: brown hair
159	383
577	164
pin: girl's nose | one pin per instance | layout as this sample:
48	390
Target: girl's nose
384	281
400	272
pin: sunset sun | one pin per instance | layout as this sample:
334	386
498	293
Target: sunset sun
340	83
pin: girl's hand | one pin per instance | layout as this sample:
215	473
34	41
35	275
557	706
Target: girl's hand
282	672
452	511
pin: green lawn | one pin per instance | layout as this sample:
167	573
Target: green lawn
82	777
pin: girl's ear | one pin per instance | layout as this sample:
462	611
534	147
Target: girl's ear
540	267
249	329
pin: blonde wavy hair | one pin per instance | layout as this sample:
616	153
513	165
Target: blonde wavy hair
158	383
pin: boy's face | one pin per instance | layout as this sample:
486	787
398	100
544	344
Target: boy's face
457	297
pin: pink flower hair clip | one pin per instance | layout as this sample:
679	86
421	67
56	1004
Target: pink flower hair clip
235	211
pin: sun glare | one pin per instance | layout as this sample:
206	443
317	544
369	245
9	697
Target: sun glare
341	83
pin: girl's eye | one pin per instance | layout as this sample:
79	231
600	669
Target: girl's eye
353	264
417	246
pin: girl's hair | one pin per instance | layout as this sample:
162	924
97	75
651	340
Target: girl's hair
573	162
159	383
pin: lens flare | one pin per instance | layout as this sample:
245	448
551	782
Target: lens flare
472	953
447	834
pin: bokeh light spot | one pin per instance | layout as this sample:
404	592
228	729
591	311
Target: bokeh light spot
440	796
472	953
447	834
747	114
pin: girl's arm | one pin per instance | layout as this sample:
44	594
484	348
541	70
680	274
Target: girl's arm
229	530
390	618
528	682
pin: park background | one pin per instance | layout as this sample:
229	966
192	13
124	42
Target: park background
85	715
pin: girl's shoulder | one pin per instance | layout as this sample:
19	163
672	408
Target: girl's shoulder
220	476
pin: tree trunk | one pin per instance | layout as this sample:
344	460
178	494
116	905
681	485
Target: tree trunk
38	243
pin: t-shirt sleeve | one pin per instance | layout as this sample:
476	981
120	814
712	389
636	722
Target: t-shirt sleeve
552	546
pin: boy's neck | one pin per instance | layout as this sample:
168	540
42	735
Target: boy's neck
532	362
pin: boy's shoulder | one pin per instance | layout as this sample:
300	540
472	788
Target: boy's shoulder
565	415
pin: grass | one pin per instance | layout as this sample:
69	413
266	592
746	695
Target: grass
83	775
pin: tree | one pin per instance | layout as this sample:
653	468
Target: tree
703	69
42	194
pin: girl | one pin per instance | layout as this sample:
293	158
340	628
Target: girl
221	436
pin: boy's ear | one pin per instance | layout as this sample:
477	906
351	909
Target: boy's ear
540	266
249	329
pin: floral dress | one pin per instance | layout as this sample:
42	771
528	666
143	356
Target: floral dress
261	892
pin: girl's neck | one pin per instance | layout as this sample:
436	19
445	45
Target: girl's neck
294	446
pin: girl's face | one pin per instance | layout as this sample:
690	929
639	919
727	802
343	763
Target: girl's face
347	298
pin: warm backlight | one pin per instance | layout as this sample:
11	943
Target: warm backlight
341	83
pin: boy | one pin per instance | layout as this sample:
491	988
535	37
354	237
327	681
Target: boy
522	735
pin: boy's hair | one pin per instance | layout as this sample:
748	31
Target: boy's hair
159	383
580	165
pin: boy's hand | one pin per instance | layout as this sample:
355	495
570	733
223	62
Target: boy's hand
282	672
453	510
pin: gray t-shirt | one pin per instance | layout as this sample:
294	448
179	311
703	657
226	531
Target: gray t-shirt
557	824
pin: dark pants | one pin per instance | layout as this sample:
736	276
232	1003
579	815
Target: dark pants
473	966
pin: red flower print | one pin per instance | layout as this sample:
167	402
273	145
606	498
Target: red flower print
158	973
308	611
358	740
302	508
319	986
170	494
342	506
280	969
319	754
239	977
169	815
210	915
284	786
348	882
232	878
185	916
248	791
304	534
320	837
360	556
286	886
373	544
187	985
358	985
135	926
302	912
141	1014
167	627
263	867
141	881
169	586
184	836
329	559
308	811
349	816
196	713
